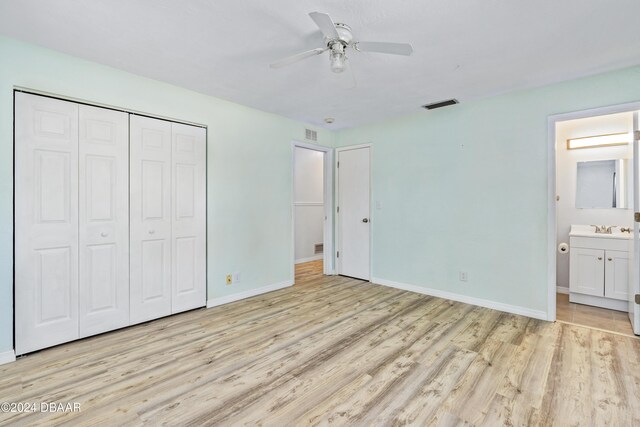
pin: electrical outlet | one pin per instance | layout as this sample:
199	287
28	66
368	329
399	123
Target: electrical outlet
236	277
229	279
463	276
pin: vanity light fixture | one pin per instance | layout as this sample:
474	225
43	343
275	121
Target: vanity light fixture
608	140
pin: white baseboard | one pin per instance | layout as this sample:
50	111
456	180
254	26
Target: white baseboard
7	357
214	302
523	311
562	289
311	258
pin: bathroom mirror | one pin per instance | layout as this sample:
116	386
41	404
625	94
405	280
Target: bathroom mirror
602	184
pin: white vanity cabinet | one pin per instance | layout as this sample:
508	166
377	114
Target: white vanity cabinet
599	270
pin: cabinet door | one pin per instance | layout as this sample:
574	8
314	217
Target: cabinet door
616	281
189	218
150	218
46	222
104	220
587	271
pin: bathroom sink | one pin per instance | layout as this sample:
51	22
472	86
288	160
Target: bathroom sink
590	231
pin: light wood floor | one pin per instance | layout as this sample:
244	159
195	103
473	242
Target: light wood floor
334	350
593	317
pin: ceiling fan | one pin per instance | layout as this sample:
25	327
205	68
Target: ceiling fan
337	39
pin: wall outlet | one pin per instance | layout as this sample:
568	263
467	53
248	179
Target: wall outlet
236	277
463	276
229	279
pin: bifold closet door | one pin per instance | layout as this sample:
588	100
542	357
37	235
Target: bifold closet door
150	218
46	222
104	220
189	221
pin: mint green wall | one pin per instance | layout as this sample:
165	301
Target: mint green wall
249	165
465	188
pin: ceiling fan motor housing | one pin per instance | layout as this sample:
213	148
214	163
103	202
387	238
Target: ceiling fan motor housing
345	34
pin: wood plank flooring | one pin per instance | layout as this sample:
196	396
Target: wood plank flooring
336	351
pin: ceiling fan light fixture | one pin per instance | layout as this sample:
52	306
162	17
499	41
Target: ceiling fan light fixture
338	62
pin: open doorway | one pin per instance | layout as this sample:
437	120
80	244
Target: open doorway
592	218
312	212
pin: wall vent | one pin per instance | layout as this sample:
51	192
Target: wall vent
319	248
310	135
441	104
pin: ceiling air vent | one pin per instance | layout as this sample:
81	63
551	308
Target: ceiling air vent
310	135
440	104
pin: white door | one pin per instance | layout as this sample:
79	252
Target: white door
104	220
634	283
353	212
588	277
46	222
150	218
188	289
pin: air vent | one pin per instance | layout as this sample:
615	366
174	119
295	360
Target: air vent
440	104
319	248
311	135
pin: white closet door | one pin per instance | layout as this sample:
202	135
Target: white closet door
104	220
46	222
189	221
150	218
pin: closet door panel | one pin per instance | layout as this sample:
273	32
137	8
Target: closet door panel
46	222
104	220
189	217
150	218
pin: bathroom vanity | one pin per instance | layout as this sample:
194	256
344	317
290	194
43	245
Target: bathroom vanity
599	266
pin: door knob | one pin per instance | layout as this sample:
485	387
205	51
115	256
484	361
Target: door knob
610	259
599	258
365	220
152	231
104	234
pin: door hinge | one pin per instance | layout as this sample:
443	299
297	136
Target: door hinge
636	135
636	217
338	209
338	256
338	166
637	298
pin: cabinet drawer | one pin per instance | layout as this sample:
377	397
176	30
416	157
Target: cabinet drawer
600	243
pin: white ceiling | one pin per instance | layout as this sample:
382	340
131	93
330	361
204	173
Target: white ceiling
465	49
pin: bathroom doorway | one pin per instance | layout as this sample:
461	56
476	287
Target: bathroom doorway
593	245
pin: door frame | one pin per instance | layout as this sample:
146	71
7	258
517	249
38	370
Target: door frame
551	188
337	230
328	258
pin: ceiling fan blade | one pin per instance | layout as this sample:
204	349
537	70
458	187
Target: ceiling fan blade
326	25
297	57
384	47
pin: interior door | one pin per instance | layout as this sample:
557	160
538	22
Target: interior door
188	285
150	218
353	212
104	220
634	283
46	222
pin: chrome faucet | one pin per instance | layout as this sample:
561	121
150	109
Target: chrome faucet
603	229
